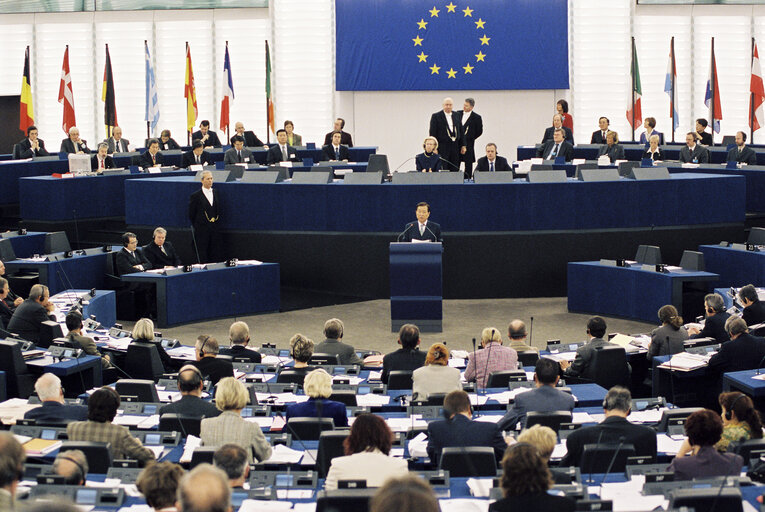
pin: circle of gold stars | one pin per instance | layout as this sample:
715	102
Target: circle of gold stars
422	27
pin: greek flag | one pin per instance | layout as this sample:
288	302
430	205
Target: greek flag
152	97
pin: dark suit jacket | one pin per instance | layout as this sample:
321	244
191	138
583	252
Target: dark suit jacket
242	351
706	138
24	150
190	405
597	137
754	314
541	399
747	155
582	365
328	153
52	411
666	340
412	232
230	157
345	353
145	159
117	147
250	139
569	136
6	310
659	155
461	431
212	140
566	150
699	152
67	146
345	138
499	165
170	144
471	130
743	353
27	318
439	129
707	463
714	327
108	162
329	409
188	159
542	502
402	359
214	369
157	258
609	431
126	262
274	155
200	210
615	152
432	162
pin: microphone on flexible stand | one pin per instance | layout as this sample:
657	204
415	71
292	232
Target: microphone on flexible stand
531	331
600	436
448	162
402	164
194	239
611	464
408	227
435	238
476	376
759	366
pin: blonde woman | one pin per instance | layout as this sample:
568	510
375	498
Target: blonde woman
318	386
436	376
429	161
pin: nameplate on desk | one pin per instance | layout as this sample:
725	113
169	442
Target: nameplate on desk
173	271
608	263
738	247
215	266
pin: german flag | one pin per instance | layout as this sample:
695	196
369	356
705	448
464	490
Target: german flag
107	96
26	110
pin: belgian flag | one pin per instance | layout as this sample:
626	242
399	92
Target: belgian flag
107	96
26	110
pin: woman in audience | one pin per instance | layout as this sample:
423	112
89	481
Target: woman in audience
741	421
230	397
159	483
367	450
428	161
697	457
166	141
568	120
653	152
612	148
6	306
301	349
318	386
406	494
545	439
143	332
436	376
668	339
293	139
525	482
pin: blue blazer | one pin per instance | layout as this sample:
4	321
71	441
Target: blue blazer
461	431
644	140
329	409
57	412
541	399
425	161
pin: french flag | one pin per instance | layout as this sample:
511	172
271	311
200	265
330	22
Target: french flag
228	91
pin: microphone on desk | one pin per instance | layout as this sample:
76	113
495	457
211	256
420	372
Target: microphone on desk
531	332
295	436
611	464
759	366
402	164
435	238
448	162
408	227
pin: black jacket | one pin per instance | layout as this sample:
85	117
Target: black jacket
461	431
158	259
402	359
212	140
499	165
190	405
67	146
240	351
610	430
51	411
328	153
566	150
188	159
24	150
126	262
214	369
108	162
202	213
145	159
27	318
714	327
754	314
744	353
541	502
568	135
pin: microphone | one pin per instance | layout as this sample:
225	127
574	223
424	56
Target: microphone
611	464
488	356
600	436
531	331
233	300
435	238
408	227
760	365
402	164
296	437
448	162
671	376
476	380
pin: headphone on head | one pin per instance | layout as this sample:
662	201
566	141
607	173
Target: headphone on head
729	411
202	348
83	474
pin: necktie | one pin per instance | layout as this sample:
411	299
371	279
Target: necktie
284	154
555	151
337	153
491	167
100	163
198	160
422	229
239	154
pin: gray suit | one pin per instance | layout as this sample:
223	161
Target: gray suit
542	399
666	340
345	353
581	367
231	157
230	427
123	145
700	154
615	152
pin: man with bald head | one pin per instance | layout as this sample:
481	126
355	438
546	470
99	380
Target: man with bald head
446	127
250	139
517	333
12	458
556	124
73	143
117	144
72	465
190	383
204	489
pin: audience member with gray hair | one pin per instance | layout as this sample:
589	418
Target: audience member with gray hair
160	252
100	159
613	429
53	409
742	352
190	383
204	489
333	344
232	459
30	314
301	350
6	304
72	465
714	323
239	334
212	367
754	309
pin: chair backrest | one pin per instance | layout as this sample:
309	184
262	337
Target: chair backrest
462	461
378	162
12	363
345	500
625	168
308	428
49	331
98	455
433	399
344	396
6	250
756	236
728	139
692	260
541	167
330	446
501	378
551	419
322	358
706	500
400	379
287	376
174	422
528	357
143	362
670	414
143	389
202	454
747	447
16	151
648	254
609	367
57	242
596	458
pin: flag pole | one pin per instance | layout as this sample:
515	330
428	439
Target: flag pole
712	80
632	74
672	88
188	132
148	123
751	103
268	132
228	124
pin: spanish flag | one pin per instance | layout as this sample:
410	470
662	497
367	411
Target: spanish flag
190	94
107	96
26	110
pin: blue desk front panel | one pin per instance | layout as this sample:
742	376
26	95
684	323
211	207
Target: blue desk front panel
755	181
744	381
81	272
25	246
735	267
634	152
11	172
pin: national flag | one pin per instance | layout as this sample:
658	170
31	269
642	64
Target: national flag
152	96
66	94
712	95
228	91
634	110
107	96
670	86
189	92
26	108
757	97
269	93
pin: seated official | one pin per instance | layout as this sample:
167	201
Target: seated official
516	331
72	465
428	160
160	252
436	376
301	350
697	457
130	260
599	136
654	152
101	160
422	228
197	156
6	305
544	398
714	322
73	143
248	136
208	137
612	148
582	365
102	408
31	146
409	493
143	332
409	356
54	409
159	485
492	162
117	143
79	340
293	139
212	368
333	333
525	482
231	397
544	439
742	352
232	460
701	135
693	152
345	138
167	142
318	387
754	309
557	124
239	334
492	358
670	337
367	455
238	154
11	300
742	153
613	429
649	123
741	421
335	150
556	147
281	152
190	383
30	314
152	156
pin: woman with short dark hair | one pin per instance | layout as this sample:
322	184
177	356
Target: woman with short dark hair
697	457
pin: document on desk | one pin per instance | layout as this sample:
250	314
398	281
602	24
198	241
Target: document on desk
267	506
685	362
156	450
457	362
372	400
275	360
192	442
182	352
375	375
582	417
648	416
628	497
418	445
284	455
559	451
404	424
14	409
666	444
561	356
281	398
480	487
464	505
118	343
262	421
478	399
249	262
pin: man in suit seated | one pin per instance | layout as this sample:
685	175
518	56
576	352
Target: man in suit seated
54	409
30	314
30	147
599	136
545	398
208	137
212	368
459	429
742	153
409	356
516	331
612	148
130	260
115	143
250	139
6	305
556	147
239	334
742	352
701	135
73	143
754	308
190	385
11	299
492	162
582	365
714	322
160	252
333	344
232	460
612	430
557	123
282	152
692	152
152	156
238	154
101	160
167	142
422	228
335	151
345	137
197	156
72	465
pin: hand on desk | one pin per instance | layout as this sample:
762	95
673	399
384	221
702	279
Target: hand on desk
564	364
463	150
685	449
693	330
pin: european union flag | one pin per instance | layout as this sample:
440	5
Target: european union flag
463	44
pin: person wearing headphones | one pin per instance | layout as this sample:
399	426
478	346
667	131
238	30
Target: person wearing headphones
143	332
493	358
741	152
190	384
754	308
73	466
742	352
130	260
612	148
582	365
492	162
239	334
714	324
409	356
208	363
741	421
301	350
428	161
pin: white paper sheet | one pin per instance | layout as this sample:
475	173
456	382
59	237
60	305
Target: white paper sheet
372	400
582	417
284	454
480	487
281	398
262	421
464	505
559	451
627	496
418	445
266	506
665	444
192	442
404	424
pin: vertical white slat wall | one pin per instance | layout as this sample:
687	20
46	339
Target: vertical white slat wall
17	30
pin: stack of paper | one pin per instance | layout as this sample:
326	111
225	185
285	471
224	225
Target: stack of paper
667	444
627	496
14	409
562	356
464	505
372	400
38	447
404	424
418	446
266	506
480	487
686	362
192	442
284	455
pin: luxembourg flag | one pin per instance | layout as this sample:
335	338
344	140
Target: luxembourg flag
670	86
228	91
712	95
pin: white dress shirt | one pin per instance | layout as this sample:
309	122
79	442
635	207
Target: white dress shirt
208	194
